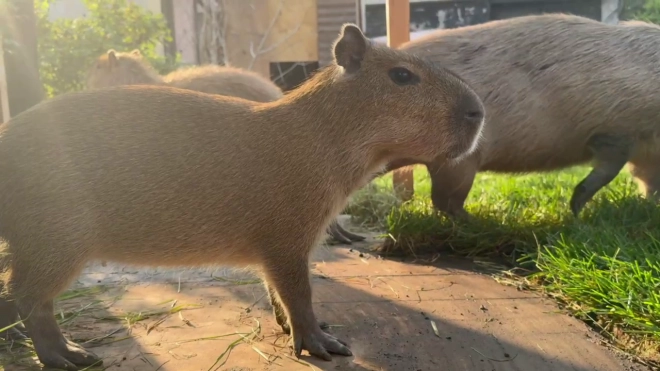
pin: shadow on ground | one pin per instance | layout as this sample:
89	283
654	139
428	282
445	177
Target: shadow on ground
385	310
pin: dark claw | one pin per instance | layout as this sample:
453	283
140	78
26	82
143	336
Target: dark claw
339	234
297	347
14	334
577	200
353	237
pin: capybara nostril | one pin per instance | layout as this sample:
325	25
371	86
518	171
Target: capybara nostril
471	108
475	116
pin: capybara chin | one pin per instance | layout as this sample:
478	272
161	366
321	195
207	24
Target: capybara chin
130	68
154	175
560	90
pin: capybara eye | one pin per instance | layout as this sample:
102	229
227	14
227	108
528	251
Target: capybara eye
403	76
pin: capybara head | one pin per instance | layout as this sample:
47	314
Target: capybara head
115	68
423	110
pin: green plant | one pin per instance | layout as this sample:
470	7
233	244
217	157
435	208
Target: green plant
643	10
604	266
68	47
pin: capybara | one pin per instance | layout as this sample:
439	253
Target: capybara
130	68
160	176
560	90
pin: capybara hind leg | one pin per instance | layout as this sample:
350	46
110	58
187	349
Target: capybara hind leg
289	278
32	284
647	173
341	235
50	345
451	184
9	319
610	154
280	314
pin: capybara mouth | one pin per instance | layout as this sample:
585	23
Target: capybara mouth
459	151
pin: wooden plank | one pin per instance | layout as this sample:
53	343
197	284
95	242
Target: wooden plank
4	96
247	24
184	30
398	32
331	15
294	35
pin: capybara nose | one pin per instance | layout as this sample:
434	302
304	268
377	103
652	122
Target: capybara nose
471	109
474	116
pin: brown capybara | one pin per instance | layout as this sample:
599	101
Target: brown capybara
159	176
121	68
560	90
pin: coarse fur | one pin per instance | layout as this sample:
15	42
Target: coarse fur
120	68
560	90
161	176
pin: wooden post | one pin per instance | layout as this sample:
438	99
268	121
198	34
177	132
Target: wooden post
185	35
4	96
24	87
398	32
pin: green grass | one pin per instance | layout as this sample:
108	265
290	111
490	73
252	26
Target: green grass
603	266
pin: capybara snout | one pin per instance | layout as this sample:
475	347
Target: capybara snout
464	114
468	123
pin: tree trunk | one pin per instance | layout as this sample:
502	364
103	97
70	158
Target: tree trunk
24	87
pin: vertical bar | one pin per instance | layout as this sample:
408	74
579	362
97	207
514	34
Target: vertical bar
398	32
21	57
185	32
4	96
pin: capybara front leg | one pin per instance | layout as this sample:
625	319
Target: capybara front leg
290	280
280	314
9	317
341	235
32	284
610	155
50	345
451	184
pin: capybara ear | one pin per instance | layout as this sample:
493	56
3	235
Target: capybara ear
112	58
136	52
350	47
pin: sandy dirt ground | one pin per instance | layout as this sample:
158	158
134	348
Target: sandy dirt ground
440	315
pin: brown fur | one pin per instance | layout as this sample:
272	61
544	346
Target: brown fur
560	90
115	69
169	177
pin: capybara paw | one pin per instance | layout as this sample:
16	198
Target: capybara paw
54	360
13	334
337	237
80	356
320	344
460	214
287	329
71	357
579	199
354	237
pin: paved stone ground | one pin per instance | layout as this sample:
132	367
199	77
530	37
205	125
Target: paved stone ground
384	309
